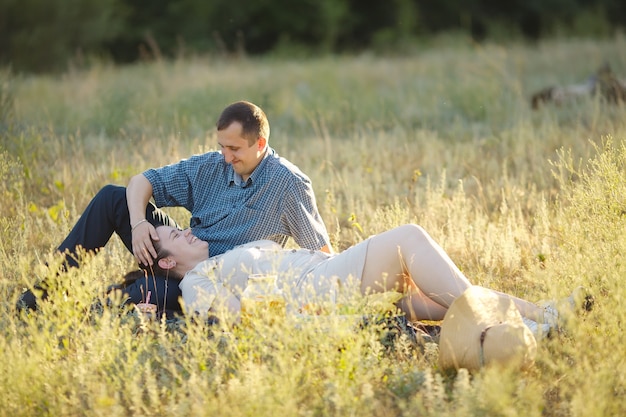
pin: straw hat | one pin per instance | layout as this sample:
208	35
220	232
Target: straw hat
482	327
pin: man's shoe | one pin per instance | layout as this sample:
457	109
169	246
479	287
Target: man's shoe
28	299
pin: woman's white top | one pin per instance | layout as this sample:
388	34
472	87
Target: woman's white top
302	274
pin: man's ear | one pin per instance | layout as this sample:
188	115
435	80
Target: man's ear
167	263
262	142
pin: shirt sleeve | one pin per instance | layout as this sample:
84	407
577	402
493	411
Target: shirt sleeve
172	184
199	289
302	218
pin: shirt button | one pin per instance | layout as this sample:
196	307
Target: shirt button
293	251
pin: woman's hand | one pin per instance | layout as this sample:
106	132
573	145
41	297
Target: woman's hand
143	234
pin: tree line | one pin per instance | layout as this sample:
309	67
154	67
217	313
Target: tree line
44	35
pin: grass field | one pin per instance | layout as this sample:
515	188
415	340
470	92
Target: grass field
528	202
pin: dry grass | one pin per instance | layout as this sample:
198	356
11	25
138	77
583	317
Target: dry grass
527	202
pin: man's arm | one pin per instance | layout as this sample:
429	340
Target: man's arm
138	194
303	218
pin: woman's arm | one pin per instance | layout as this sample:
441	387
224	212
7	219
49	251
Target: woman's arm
203	294
226	306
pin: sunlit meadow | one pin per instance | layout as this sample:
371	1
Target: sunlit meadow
531	202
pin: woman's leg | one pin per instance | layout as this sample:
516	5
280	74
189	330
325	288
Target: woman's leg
526	308
407	259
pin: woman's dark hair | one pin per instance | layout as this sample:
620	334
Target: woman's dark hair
147	271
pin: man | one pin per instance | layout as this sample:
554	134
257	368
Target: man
242	193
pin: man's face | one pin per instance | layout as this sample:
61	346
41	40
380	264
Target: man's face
182	245
237	152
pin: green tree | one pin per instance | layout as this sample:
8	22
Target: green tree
39	35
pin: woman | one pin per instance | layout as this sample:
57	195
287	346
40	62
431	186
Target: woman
404	259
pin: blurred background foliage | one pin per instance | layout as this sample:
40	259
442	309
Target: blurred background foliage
49	35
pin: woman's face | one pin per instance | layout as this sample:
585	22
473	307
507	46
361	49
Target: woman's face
183	246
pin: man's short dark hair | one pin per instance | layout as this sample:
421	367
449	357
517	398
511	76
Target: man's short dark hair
252	118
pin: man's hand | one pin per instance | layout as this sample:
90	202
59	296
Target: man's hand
138	194
143	249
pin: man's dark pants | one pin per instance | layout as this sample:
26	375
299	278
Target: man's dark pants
107	213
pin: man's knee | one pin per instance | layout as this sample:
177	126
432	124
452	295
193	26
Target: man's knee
111	202
111	192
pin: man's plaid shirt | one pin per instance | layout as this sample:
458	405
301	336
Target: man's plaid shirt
277	201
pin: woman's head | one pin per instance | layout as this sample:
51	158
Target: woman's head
178	251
